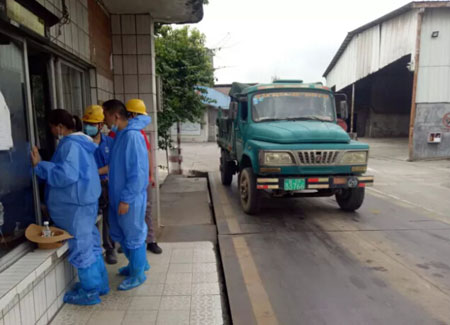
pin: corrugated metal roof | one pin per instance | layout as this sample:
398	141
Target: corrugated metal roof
395	13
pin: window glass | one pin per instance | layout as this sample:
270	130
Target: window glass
292	105
16	190
72	82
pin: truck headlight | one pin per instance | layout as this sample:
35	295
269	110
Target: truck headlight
278	158
354	158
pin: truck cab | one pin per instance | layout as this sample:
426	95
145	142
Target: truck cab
283	138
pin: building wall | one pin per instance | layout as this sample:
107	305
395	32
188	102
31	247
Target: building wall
101	78
381	125
45	276
134	73
375	48
192	132
429	118
433	82
73	36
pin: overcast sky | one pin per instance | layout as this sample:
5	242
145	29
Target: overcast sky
296	39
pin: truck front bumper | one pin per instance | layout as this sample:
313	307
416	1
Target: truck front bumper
313	182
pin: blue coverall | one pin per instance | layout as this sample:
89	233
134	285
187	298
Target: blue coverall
72	192
128	181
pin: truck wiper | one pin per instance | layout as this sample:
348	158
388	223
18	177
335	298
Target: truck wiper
307	118
269	119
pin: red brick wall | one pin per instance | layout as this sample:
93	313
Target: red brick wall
100	39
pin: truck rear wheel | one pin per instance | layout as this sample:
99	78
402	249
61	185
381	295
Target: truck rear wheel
350	199
226	170
247	190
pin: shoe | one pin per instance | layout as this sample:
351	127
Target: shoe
82	297
136	269
120	250
125	270
77	286
131	282
111	257
154	248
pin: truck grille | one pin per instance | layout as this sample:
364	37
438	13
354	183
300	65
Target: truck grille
317	157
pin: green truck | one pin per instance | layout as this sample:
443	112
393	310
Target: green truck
284	139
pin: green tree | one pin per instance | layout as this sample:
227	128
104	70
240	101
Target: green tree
183	62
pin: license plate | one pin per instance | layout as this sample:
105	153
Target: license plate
294	184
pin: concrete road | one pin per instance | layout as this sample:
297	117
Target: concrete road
304	261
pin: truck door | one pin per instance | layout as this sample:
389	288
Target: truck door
241	128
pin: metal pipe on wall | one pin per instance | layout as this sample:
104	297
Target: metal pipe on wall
31	129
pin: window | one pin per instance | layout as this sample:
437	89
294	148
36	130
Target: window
244	110
292	105
16	189
73	89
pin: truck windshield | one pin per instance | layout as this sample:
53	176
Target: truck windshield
273	106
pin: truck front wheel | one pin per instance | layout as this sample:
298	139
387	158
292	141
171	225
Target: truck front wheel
226	170
350	199
248	192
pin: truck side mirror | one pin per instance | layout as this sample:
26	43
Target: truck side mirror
343	109
233	110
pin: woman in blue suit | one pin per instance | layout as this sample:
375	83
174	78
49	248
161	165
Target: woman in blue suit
72	192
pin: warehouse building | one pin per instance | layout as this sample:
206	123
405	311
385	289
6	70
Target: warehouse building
395	72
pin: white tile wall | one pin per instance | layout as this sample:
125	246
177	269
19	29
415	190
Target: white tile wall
29	300
75	44
80	13
25	283
44	266
118	84
129	64
143	44
40	300
85	21
50	287
115	24
129	44
7	298
13	316
67	35
59	275
144	64
68	269
72	10
86	46
130	84
43	320
143	24
128	24
27	309
127	97
81	47
52	310
94	99
145	84
117	63
120	97
117	44
148	100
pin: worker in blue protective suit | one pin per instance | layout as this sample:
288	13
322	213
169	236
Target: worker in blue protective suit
72	192
93	119
128	181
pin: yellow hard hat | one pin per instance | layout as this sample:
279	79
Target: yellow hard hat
136	106
93	114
